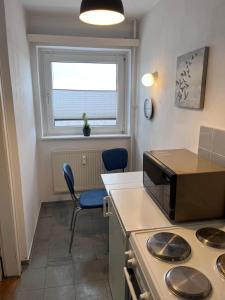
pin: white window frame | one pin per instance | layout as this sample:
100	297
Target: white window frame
121	57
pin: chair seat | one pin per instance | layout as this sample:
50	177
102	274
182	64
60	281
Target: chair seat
92	198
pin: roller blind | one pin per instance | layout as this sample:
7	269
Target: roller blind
68	105
84	87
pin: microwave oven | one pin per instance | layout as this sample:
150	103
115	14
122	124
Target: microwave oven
185	186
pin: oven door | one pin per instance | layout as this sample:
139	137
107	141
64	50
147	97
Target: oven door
160	184
134	290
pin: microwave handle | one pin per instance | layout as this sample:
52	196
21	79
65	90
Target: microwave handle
129	283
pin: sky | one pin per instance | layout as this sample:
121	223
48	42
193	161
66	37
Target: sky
84	76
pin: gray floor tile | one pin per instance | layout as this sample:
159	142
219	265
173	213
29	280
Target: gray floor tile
32	279
53	272
100	246
60	262
60	276
95	290
83	249
85	226
88	271
30	295
60	230
38	260
46	211
46	222
60	238
60	293
43	233
40	245
59	254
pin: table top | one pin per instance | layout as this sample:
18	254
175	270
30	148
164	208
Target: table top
118	181
123	178
120	186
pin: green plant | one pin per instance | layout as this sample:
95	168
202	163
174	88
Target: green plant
85	118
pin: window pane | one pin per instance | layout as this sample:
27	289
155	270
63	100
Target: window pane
84	76
84	87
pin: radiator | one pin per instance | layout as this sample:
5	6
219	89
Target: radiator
86	165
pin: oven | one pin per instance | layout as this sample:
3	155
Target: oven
136	287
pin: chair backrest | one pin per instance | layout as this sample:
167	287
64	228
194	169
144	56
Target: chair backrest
68	175
115	159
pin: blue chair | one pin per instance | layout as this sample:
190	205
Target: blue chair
115	159
87	200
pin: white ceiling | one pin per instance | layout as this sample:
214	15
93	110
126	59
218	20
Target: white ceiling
133	8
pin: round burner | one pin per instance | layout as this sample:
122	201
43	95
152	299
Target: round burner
168	246
212	237
221	264
188	283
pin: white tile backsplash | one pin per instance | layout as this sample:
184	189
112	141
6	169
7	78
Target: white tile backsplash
212	144
206	138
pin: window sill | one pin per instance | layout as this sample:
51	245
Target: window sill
81	137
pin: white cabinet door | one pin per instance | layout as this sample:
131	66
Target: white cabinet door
117	247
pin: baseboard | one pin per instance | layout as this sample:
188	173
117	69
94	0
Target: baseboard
25	263
29	253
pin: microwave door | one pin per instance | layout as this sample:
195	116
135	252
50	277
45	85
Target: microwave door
158	181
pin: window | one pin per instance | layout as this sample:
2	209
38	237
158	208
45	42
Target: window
74	82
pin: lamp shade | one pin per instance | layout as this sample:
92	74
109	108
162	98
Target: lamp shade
102	12
149	79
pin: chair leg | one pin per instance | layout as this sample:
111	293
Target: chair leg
71	223
73	227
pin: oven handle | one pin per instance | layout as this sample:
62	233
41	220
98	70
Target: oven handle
129	283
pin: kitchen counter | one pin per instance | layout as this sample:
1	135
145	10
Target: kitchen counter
137	211
129	209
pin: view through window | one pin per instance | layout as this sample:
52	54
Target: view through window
84	87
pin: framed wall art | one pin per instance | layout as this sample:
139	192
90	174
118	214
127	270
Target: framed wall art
191	79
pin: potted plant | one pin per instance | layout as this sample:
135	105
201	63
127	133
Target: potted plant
86	127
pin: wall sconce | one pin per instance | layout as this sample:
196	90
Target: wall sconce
149	79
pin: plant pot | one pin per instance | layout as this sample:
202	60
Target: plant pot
86	131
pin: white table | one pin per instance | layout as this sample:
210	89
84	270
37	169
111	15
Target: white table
118	181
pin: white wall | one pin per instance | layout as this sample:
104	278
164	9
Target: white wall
69	24
11	217
174	28
66	25
20	71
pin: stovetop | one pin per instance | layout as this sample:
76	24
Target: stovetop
212	237
188	283
201	261
168	246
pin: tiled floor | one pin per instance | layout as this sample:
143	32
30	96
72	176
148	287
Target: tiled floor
55	274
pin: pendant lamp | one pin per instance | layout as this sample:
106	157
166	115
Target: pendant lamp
102	12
